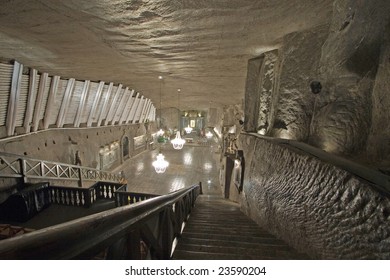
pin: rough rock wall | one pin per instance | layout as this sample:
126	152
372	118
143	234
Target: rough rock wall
349	63
253	78
378	146
316	207
299	63
260	92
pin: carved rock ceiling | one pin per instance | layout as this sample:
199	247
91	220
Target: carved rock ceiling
200	46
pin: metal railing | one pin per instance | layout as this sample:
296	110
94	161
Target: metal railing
143	230
16	166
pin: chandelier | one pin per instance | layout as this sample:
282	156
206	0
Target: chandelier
160	164
188	129
178	142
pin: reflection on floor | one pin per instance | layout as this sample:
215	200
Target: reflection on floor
189	166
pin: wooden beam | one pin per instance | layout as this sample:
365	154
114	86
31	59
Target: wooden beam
95	104
111	111
83	98
139	108
50	101
126	109
30	100
133	109
38	103
14	98
141	116
146	112
120	108
153	116
65	103
104	107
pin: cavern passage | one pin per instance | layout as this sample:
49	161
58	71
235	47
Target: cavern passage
291	97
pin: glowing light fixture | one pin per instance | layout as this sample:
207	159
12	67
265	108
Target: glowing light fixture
161	131
188	129
178	142
160	164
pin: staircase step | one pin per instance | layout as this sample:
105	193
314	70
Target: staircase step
220	236
232	243
217	229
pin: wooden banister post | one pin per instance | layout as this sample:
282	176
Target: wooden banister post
22	163
200	188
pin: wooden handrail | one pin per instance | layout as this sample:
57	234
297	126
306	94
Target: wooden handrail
101	233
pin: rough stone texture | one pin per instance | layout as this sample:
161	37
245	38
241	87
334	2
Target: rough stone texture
199	46
316	207
253	78
268	92
260	92
378	146
349	63
300	57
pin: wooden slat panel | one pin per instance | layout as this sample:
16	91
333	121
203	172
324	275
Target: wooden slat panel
14	98
56	107
121	105
22	104
113	105
38	104
126	109
146	111
92	114
93	87
133	108
32	93
5	89
138	110
83	98
65	102
74	103
45	97
50	101
106	97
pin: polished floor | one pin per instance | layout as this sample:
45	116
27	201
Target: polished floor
191	165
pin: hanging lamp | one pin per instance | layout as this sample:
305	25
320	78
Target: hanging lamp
160	132
160	164
188	129
178	142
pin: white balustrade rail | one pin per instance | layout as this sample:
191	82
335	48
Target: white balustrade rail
16	166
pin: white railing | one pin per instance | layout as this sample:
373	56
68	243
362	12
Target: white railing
16	166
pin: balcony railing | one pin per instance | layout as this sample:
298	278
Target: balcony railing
15	166
137	231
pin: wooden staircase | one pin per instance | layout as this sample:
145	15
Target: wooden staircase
217	229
